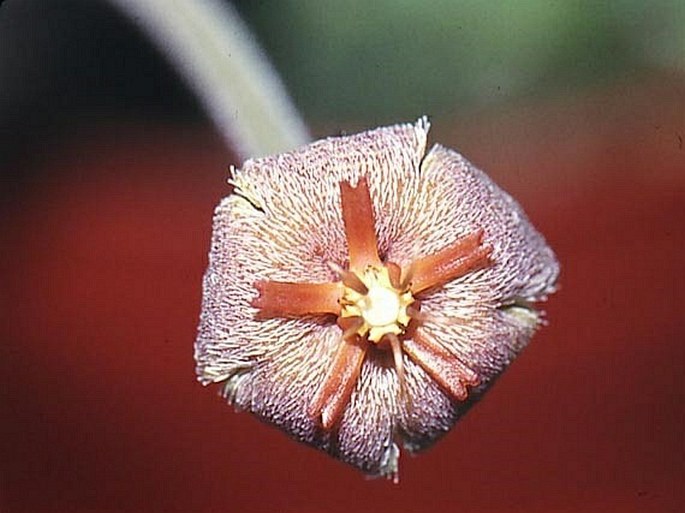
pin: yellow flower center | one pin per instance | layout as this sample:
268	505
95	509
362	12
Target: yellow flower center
382	307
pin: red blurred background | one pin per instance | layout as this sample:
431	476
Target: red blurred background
104	242
101	293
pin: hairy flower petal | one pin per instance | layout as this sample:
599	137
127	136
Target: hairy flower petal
284	224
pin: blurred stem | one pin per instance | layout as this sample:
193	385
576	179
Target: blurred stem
221	62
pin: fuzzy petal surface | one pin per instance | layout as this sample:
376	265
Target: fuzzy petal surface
283	223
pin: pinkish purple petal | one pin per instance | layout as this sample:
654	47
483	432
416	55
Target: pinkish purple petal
284	223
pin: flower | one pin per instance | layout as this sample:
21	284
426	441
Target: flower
362	293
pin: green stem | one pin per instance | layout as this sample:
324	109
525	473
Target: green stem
221	62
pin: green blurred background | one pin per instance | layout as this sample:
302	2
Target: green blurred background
66	64
388	60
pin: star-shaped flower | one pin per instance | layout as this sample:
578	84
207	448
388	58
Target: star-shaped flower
361	293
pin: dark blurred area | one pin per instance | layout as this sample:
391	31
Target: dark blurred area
76	66
110	173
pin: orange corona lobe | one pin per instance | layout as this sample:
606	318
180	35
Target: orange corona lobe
334	393
357	213
445	368
285	299
463	256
